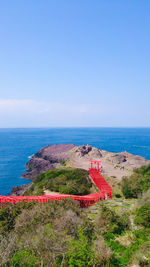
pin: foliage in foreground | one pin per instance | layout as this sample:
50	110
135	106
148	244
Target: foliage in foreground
137	183
143	216
59	233
137	250
52	234
108	221
65	181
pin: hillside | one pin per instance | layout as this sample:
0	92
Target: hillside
113	233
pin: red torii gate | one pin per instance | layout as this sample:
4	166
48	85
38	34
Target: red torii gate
85	201
98	179
95	164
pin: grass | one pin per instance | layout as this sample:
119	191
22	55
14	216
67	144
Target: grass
65	181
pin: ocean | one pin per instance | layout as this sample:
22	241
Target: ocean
17	145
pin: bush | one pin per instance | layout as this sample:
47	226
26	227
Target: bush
117	195
65	181
80	253
9	213
25	258
137	183
109	221
57	233
103	254
145	199
142	256
63	163
143	216
44	229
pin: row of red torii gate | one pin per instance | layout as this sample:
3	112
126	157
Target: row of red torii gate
104	191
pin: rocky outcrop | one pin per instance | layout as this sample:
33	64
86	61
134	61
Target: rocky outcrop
114	165
19	190
47	158
80	156
127	160
82	151
117	158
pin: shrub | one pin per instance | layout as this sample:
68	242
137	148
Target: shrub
63	163
65	181
80	252
143	216
109	221
24	257
117	195
137	183
145	199
142	256
9	213
103	254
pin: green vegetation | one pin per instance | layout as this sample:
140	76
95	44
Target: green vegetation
143	216
113	233
63	163
65	181
136	246
108	221
137	183
59	233
52	234
125	255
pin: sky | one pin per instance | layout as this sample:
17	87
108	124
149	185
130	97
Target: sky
74	63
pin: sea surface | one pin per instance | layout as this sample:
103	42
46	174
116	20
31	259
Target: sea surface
16	145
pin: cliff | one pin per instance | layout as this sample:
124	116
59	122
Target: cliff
114	165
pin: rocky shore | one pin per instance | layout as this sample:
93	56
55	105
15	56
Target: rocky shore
114	165
47	158
19	190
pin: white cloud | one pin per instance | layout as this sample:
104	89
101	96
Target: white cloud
30	112
35	113
13	105
30	105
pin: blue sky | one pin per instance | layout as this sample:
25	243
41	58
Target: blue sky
74	63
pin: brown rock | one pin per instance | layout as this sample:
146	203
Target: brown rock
113	164
19	190
47	158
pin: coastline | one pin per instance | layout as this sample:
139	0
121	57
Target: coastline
22	143
114	165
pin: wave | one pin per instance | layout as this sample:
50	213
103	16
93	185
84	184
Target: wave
30	157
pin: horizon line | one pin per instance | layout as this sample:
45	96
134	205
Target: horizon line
52	127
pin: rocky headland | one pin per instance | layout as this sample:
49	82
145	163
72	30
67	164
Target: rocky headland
114	165
19	190
47	158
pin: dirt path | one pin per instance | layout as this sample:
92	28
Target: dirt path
48	192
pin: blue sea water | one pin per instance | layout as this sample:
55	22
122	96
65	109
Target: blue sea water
16	145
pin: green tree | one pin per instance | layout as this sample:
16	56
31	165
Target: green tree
80	252
137	183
